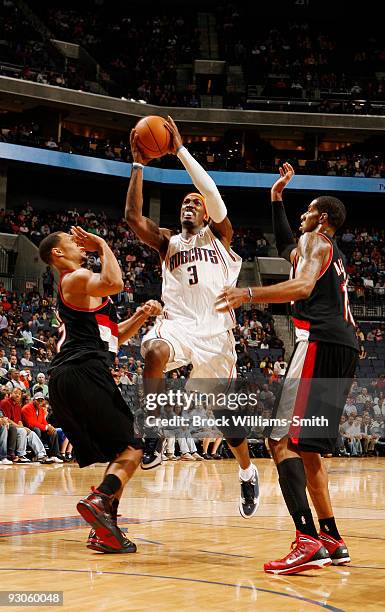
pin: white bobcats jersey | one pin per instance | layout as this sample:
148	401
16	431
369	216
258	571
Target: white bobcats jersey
195	272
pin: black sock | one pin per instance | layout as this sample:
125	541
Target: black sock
292	480
304	522
328	525
115	504
110	485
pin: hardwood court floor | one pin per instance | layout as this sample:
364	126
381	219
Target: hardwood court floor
194	551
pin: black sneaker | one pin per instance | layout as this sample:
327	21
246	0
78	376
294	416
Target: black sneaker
249	498
207	456
152	453
23	460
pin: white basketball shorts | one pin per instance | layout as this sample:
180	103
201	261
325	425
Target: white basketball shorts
211	356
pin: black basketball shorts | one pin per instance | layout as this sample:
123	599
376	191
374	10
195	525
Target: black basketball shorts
89	407
313	396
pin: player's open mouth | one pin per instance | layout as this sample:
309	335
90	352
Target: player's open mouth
188	214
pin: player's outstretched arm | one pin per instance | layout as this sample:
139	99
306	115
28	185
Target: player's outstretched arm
284	237
85	282
313	252
127	329
216	207
146	230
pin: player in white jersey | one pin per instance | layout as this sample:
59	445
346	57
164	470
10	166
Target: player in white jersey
197	264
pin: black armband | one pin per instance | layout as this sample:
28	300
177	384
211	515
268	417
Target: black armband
284	237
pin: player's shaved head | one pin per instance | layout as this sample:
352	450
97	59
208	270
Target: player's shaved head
334	208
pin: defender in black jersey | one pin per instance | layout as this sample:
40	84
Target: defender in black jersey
85	400
319	375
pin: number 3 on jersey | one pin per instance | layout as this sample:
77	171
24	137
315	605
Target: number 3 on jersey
193	280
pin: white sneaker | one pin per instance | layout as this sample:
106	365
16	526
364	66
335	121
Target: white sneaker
164	457
6	461
45	459
172	458
57	460
197	457
23	460
187	457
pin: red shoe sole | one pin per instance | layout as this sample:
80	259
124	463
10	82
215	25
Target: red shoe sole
92	516
304	567
107	550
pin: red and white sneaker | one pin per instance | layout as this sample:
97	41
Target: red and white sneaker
306	553
337	549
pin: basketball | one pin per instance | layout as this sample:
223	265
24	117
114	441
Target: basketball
154	137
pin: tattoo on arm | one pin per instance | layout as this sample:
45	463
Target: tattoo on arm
313	252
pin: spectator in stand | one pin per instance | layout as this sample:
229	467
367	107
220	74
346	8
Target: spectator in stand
379	404
11	408
3	320
5	432
26	360
364	396
368	437
40	385
280	367
4	363
25	379
351	432
34	417
14	377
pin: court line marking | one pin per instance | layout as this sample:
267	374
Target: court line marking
149	541
372	567
214	552
179	578
79	524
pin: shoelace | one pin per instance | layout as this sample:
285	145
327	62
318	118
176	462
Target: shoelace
248	491
296	548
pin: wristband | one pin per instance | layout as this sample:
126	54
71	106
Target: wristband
250	294
137	165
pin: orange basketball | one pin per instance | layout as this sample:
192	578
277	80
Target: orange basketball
153	137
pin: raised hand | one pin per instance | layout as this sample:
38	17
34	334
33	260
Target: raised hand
137	154
286	174
176	138
85	240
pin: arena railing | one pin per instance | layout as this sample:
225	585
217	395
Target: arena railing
252	180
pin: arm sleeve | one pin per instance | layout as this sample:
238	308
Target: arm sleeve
216	208
284	237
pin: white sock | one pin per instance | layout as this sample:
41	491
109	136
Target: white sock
246	474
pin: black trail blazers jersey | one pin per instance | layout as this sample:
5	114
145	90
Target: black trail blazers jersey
85	333
325	315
